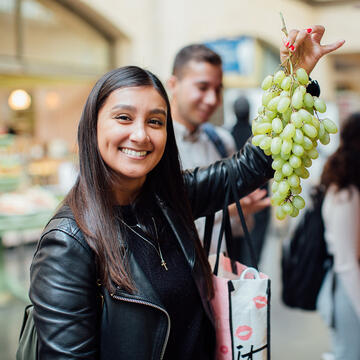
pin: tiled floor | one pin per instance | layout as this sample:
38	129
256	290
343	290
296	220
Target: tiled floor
295	335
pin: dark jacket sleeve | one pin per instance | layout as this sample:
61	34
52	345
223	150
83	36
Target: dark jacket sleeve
63	292
207	186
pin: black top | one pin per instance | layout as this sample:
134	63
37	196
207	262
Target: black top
190	329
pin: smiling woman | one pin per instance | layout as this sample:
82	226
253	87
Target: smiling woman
131	134
119	272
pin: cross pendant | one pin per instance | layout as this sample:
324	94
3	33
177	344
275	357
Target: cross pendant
163	263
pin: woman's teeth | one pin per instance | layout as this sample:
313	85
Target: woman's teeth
133	152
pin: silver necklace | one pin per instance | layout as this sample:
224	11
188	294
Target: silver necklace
163	263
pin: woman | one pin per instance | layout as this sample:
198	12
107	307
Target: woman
119	272
341	214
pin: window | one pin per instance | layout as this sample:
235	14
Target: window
44	37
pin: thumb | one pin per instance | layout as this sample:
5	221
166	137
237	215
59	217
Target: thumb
332	47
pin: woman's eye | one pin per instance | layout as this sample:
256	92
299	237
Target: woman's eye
156	122
122	117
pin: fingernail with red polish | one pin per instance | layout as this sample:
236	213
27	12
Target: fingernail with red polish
287	44
309	30
292	47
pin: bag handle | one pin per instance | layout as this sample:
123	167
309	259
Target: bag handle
232	178
225	223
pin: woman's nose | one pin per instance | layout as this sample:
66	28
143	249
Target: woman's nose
139	134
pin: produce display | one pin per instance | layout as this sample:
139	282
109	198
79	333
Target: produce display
26	209
289	127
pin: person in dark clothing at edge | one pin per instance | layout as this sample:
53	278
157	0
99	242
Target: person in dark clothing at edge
119	271
241	132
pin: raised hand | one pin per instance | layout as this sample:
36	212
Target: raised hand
305	47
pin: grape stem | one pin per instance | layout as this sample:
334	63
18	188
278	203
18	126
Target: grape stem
283	29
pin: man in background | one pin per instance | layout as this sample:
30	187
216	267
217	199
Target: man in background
196	92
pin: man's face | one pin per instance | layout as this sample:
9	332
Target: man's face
197	93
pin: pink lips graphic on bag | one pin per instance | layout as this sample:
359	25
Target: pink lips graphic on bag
260	301
244	332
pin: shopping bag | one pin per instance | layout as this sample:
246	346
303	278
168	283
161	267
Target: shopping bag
241	302
241	310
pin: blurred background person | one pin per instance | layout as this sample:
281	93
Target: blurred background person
241	131
339	298
196	92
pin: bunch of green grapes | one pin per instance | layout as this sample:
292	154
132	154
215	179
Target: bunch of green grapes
288	128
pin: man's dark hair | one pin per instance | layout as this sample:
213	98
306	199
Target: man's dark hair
194	52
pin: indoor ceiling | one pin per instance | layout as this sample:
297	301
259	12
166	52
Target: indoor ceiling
329	2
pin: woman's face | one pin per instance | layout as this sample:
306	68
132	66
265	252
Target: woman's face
131	132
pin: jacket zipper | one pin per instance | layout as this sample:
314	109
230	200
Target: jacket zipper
154	306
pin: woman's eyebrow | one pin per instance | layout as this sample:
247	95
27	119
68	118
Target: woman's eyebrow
123	107
157	112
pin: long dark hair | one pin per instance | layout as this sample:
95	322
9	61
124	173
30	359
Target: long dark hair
343	167
92	200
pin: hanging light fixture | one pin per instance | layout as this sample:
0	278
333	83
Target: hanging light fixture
19	100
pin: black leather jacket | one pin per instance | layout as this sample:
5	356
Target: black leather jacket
70	319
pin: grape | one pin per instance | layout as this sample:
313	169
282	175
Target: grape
305	115
322	130
274	186
262	128
265	143
308	101
294	181
276	145
313	154
287	208
283	104
319	105
307	143
310	131
289	129
307	161
278	175
299	136
294	161
302	89
286	83
277	163
270	114
287	169
267	82
286	146
256	140
296	119
324	139
288	132
279	77
330	126
295	212
298	150
273	103
267	96
302	76
297	100
284	187
296	190
277	125
280	214
298	202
